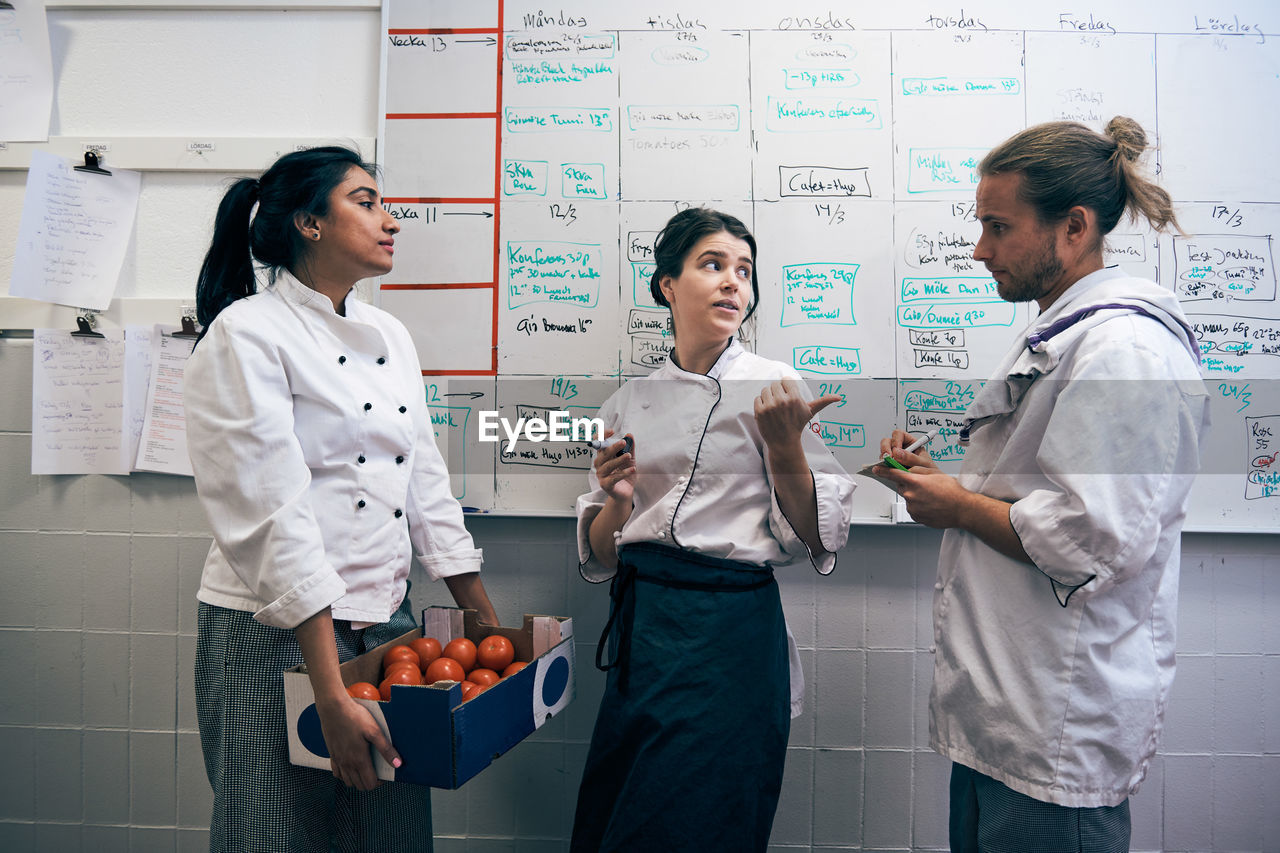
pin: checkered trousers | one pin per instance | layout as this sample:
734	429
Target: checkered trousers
261	802
989	817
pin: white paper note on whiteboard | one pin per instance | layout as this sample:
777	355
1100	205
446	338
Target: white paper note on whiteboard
74	231
26	73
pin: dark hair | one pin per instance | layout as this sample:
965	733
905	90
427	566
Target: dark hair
299	182
678	237
1064	164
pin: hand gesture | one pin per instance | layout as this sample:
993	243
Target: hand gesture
782	413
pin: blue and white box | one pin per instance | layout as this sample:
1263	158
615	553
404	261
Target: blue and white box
443	741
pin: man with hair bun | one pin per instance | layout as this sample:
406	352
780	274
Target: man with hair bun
1057	581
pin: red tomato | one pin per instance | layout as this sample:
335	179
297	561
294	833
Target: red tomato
363	690
463	651
400	664
400	652
403	675
483	677
495	652
469	689
428	649
514	668
443	669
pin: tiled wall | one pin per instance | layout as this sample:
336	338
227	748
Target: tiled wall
98	739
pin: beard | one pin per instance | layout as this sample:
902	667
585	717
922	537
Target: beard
1030	285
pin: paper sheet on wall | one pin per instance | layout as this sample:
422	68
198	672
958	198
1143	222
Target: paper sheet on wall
137	378
77	391
26	73
163	443
74	231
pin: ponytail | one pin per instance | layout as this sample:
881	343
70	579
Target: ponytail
1066	164
298	183
1142	197
227	272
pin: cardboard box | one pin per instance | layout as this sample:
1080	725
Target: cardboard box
442	741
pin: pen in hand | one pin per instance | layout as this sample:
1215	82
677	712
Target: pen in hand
915	445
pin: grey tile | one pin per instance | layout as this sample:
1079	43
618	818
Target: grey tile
18	782
106	582
58	680
106	679
108	839
1146	809
802	727
17	836
20	700
57	837
840	599
449	811
156	502
106	776
792	822
191	557
1188	720
58	579
838	698
1195	603
890	699
187	721
931	780
154	583
16	371
20	604
839	802
1238	709
153	681
26	506
1271	705
58	762
193	840
107	504
1241	800
887	804
152	774
1188	818
1240	612
891	601
148	839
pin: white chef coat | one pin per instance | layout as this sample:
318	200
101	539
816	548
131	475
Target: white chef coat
1053	678
702	482
315	459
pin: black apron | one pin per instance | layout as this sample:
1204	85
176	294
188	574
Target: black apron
691	737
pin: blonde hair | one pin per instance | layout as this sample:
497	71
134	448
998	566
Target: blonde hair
1064	164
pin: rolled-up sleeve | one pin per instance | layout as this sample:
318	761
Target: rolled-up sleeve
1121	455
833	492
251	475
441	542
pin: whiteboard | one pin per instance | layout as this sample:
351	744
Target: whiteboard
532	154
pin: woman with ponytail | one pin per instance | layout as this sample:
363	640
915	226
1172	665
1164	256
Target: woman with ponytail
315	460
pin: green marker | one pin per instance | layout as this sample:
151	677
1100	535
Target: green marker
916	445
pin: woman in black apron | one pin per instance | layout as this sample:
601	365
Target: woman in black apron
721	477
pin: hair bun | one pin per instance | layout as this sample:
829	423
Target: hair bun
1129	137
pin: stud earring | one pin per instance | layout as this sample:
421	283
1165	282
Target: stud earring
315	235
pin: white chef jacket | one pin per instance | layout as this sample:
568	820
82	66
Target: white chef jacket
702	482
315	459
1053	678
